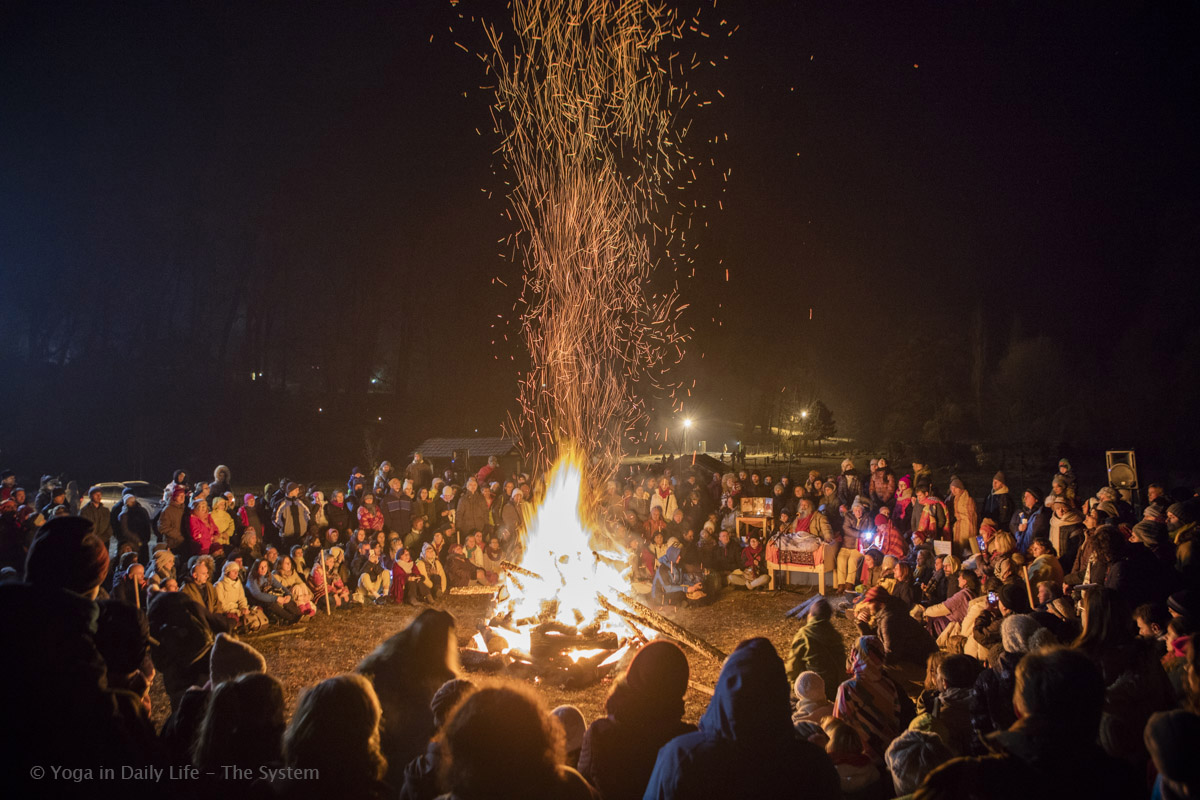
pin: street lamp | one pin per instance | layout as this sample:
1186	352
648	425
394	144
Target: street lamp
687	423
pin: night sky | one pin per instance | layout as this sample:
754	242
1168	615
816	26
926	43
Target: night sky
895	167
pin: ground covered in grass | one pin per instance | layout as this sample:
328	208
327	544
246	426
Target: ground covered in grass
308	652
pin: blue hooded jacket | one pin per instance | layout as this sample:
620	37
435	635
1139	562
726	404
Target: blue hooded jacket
746	745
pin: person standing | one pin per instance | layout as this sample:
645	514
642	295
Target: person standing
95	512
966	518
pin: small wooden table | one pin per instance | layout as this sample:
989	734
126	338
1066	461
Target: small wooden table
753	522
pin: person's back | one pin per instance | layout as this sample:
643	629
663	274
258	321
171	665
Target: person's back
818	647
1059	699
746	746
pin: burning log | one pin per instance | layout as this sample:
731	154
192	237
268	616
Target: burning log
641	615
519	570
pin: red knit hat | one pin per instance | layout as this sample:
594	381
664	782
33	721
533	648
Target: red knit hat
876	594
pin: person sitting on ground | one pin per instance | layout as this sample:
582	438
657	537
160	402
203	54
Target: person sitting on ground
501	743
422	776
818	647
906	642
335	734
753	572
161	569
270	595
326	580
911	757
644	711
232	602
869	701
857	773
374	582
954	609
1045	566
812	699
431	576
950	714
1059	699
198	589
746	745
243	727
570	720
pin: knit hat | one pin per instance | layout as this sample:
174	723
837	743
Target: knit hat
1016	631
881	520
448	695
1062	462
810	686
1015	598
956	483
1172	738
230	658
876	594
66	554
1183	603
1059	480
999	476
905	481
659	667
1037	495
574	725
912	756
178	491
1154	512
1178	511
1150	532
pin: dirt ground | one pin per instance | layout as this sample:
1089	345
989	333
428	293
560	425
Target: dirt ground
306	653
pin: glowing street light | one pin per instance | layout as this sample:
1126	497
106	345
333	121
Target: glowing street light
687	423
804	414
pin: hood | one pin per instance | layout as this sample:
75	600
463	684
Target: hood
221	473
750	704
867	660
163	563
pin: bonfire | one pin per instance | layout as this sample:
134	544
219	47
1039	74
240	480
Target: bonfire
567	611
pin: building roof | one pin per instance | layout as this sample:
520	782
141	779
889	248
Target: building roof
479	446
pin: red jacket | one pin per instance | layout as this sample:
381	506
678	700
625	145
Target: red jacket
203	531
370	518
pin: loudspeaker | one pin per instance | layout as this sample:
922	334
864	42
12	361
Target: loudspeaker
1122	469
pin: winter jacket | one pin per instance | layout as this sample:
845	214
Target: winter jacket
203	533
668	504
746	745
905	640
339	516
224	526
471	513
202	593
292	518
1037	526
883	486
429	570
966	521
101	519
133	525
370	517
231	596
1048	760
818	647
999	507
420	474
55	687
170	523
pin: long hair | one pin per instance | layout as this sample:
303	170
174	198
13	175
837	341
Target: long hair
1107	622
336	731
500	743
243	724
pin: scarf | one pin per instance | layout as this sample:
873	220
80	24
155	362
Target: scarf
664	493
802	524
868	702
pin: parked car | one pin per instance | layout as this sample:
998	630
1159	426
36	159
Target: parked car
148	494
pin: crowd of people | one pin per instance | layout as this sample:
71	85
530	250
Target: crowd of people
1040	646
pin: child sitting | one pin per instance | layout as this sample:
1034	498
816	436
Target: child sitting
855	769
812	703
